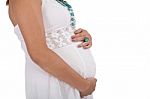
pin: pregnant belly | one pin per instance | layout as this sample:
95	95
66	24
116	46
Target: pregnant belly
81	60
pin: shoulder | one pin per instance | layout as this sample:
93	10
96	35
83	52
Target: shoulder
16	6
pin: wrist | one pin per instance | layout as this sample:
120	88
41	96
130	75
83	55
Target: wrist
85	86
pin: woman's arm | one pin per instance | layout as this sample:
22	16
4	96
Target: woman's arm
29	18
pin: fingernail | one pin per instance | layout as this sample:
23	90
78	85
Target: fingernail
72	37
79	45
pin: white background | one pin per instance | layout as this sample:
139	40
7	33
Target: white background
121	48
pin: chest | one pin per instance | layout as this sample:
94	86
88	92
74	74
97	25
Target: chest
54	14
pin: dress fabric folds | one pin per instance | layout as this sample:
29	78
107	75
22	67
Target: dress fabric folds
38	83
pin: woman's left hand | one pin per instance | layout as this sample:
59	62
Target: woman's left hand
79	36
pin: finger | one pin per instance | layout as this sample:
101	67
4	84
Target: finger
81	96
90	78
82	34
87	45
78	39
78	31
78	35
83	44
80	45
73	36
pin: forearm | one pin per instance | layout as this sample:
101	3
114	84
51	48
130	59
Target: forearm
49	61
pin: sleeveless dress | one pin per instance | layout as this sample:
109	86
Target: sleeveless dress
38	83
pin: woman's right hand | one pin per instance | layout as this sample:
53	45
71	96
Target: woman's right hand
92	84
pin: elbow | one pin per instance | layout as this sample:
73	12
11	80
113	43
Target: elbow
43	56
37	56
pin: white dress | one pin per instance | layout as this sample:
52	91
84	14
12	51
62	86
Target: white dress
38	83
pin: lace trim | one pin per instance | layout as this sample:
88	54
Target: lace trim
59	37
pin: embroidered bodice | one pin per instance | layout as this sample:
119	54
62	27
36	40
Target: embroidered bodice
57	27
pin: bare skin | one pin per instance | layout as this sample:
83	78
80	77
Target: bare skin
79	36
27	14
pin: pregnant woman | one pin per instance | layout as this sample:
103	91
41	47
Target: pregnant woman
56	68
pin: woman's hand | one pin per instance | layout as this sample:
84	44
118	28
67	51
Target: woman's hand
79	36
90	89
